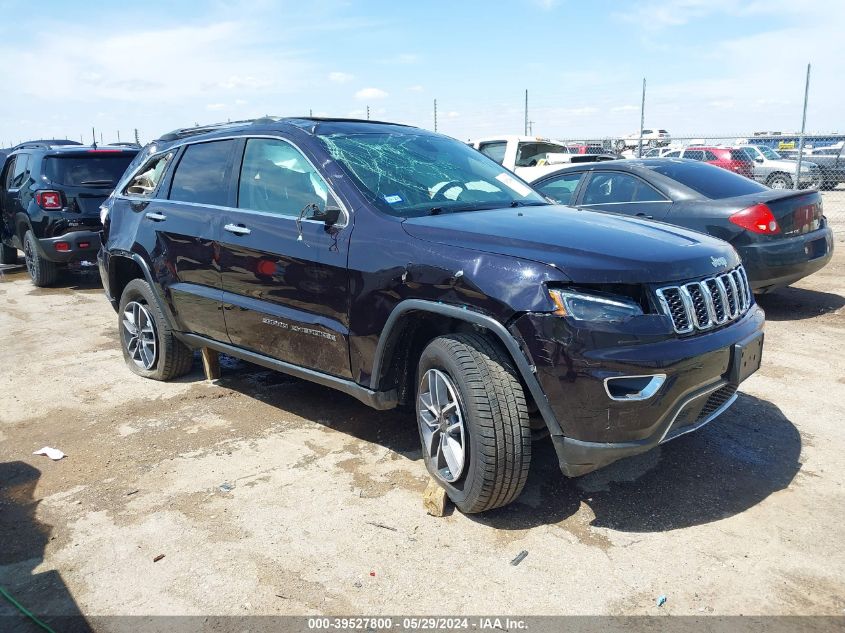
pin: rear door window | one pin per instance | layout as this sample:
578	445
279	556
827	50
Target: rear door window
494	150
694	154
562	188
202	175
18	172
673	154
615	187
87	170
708	155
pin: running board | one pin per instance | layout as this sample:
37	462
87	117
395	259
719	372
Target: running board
381	400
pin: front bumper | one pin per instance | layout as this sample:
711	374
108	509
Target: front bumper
572	364
784	261
81	246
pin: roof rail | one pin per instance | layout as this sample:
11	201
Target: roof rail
43	143
187	132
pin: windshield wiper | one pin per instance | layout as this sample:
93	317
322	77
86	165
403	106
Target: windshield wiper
521	203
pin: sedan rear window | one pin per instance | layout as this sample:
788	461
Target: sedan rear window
708	180
87	170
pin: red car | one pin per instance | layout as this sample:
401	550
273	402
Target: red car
732	159
586	149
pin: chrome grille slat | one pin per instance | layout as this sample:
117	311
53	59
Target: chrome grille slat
703	305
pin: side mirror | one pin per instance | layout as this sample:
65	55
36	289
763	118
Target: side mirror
758	160
331	215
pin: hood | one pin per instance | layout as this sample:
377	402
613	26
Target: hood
587	246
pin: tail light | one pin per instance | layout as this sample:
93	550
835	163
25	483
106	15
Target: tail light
757	219
50	200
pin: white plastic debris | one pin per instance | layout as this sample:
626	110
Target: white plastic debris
53	453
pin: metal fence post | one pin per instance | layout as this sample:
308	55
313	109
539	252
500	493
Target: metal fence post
642	123
797	183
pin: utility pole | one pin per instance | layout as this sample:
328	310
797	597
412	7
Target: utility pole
642	123
310	113
526	112
136	137
435	115
796	181
530	128
101	139
94	137
368	113
118	136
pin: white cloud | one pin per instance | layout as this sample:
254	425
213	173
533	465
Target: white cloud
241	102
625	108
371	93
215	106
416	88
340	78
546	5
453	115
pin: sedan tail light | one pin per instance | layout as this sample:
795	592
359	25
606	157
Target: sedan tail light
757	219
49	200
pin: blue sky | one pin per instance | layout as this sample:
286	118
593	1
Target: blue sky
713	66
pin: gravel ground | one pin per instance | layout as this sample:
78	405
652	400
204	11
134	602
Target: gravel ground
269	495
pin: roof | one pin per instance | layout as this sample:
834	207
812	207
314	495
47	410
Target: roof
311	125
44	143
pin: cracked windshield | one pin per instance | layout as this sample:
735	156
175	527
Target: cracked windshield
410	175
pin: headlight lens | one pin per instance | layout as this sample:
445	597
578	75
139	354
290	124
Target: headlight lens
589	307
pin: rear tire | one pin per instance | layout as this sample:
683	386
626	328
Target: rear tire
473	421
8	254
779	180
42	271
149	346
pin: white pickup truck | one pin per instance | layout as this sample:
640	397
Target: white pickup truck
531	157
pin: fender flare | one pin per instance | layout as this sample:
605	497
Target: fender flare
148	277
526	371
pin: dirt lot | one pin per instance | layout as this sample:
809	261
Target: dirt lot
269	495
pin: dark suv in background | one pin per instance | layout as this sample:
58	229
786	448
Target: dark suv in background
403	267
50	196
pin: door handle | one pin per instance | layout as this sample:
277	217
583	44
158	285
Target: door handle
155	217
237	229
647	217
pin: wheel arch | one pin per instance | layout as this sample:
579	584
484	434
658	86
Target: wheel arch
123	268
414	322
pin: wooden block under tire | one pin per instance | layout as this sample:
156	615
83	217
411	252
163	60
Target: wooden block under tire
210	363
435	499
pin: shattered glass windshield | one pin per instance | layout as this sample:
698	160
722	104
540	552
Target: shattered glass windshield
407	174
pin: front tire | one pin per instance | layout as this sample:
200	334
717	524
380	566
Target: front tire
149	346
8	254
42	271
779	181
473	421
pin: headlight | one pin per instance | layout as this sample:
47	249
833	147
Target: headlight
589	307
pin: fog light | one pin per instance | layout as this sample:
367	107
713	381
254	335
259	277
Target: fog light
83	244
62	247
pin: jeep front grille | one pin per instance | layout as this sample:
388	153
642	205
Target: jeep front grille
703	305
